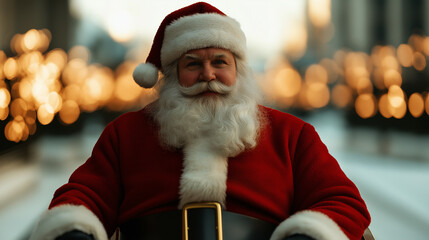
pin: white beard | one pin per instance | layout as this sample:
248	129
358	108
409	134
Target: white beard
228	122
209	129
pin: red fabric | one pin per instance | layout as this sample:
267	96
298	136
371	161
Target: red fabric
196	8
129	175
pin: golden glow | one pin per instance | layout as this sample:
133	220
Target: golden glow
395	96
405	55
126	89
383	106
364	85
398	111
342	95
416	105
356	60
75	71
80	52
59	82
71	92
419	61
13	131
120	27
315	73
389	62
4	113
45	114
317	95
365	105
10	68
287	82
392	77
44	84
417	42
332	69
69	113
319	12
356	71
426	46
30	117
30	62
40	91
4	98
57	57
378	79
296	46
54	100
396	102
3	57
31	39
18	107
25	90
16	130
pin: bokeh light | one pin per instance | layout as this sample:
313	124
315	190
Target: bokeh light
36	84
319	12
416	105
43	84
4	98
405	55
366	105
288	82
69	113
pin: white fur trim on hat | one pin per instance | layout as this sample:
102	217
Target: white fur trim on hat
64	218
146	75
311	223
204	175
201	31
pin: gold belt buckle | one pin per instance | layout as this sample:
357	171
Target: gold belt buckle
215	205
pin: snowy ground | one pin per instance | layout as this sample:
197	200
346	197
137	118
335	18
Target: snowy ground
390	169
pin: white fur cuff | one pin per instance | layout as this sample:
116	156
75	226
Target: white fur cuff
311	223
64	218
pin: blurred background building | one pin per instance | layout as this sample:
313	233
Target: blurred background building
356	69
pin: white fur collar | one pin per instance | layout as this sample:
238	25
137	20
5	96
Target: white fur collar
204	174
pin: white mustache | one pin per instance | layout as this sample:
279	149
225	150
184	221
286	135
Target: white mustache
212	86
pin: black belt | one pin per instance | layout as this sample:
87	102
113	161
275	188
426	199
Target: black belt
205	221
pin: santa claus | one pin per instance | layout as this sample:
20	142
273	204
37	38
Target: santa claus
205	143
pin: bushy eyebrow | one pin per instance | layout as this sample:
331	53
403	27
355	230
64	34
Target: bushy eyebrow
219	55
190	56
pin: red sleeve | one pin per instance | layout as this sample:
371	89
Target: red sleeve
96	184
321	185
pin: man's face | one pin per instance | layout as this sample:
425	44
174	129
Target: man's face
205	65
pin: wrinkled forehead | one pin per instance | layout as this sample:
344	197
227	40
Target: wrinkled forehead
208	53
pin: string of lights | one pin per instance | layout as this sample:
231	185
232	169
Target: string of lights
370	83
36	85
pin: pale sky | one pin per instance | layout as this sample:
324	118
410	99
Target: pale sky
265	23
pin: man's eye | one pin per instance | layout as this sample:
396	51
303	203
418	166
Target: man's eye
219	62
191	64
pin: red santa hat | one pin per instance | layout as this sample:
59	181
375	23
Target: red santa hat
199	25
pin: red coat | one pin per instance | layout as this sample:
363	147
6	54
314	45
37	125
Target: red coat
290	172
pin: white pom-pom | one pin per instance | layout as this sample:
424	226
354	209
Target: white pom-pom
146	75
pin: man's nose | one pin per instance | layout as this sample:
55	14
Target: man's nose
208	73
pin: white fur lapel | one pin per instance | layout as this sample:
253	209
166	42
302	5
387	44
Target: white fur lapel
204	174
